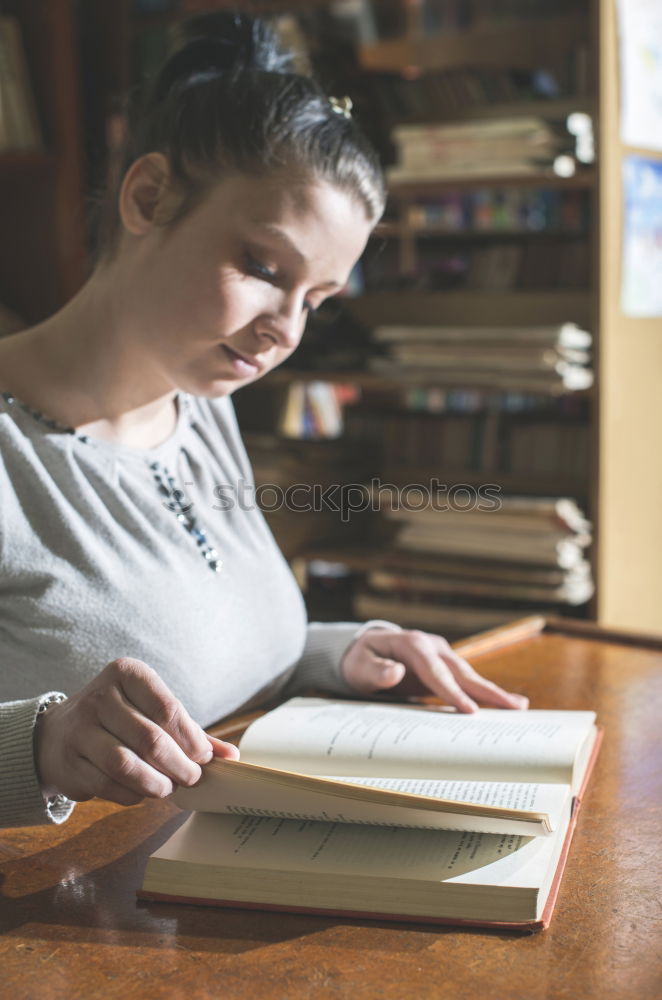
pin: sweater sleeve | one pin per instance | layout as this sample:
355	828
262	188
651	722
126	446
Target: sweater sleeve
320	664
21	799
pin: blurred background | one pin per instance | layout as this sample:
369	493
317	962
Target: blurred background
501	338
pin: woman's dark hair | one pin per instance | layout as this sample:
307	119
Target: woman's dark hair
229	100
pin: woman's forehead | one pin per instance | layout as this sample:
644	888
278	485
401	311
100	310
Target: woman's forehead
304	218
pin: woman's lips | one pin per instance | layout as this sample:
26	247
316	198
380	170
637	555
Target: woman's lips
242	365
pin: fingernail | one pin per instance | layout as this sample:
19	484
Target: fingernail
207	756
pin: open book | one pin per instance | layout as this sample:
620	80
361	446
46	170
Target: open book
384	810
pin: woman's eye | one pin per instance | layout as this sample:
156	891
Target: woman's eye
253	266
259	270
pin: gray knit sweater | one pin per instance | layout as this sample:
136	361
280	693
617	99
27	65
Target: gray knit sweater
95	566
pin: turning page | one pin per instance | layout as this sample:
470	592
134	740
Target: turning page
234	787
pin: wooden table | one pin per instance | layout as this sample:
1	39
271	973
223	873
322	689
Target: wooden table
72	928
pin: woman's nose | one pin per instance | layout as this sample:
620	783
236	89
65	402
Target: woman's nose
286	324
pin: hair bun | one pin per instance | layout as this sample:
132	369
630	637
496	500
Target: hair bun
222	42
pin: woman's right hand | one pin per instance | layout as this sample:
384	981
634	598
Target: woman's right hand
124	737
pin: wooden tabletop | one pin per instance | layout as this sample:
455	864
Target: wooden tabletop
72	928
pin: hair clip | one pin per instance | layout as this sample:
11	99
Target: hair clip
342	106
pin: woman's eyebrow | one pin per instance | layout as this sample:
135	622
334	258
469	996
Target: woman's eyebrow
275	232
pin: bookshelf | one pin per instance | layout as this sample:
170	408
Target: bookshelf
522	45
513	44
42	252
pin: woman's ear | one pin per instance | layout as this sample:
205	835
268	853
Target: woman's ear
145	194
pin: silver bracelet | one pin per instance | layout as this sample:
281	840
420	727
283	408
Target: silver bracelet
52	698
57	806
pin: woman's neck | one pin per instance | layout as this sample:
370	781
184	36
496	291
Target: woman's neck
82	368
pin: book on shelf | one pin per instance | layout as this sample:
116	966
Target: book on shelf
553	549
537	356
465	170
495	268
537	445
416	821
312	410
511	210
19	122
489	147
452	619
574	378
523	128
491	565
492	534
530	515
502	357
574	590
564	335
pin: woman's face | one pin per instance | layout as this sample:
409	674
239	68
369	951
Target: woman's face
222	297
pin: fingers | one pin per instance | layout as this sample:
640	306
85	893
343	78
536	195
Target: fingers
379	660
120	764
123	737
149	741
143	687
228	751
88	781
376	673
436	673
471	682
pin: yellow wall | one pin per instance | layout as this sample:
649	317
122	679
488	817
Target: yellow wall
630	379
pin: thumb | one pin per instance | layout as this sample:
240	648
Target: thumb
221	749
385	673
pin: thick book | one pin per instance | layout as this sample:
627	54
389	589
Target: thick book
564	335
385	811
571	591
573	377
454	619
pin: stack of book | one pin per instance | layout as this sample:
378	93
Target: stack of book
456	570
527	358
493	147
19	123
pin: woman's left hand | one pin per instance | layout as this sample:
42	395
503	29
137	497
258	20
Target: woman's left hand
381	658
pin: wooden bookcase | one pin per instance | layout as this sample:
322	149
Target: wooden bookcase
42	250
511	45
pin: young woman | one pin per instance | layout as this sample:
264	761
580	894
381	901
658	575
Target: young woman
244	201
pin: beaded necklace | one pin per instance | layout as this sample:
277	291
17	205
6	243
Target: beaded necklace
173	498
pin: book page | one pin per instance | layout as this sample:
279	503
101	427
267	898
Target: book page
258	843
244	789
543	798
321	736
